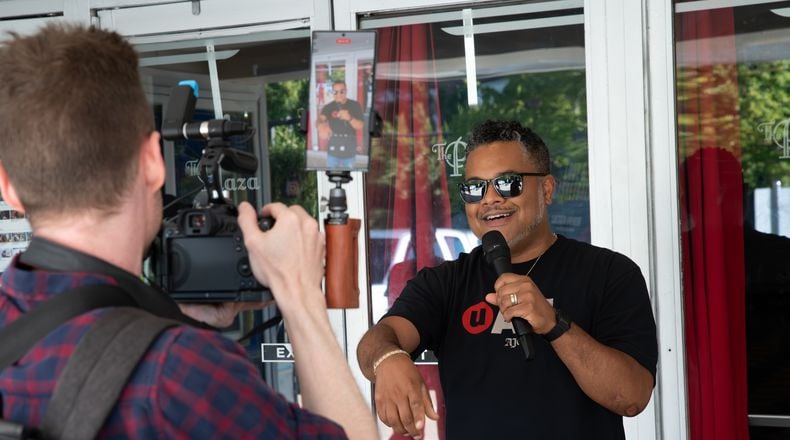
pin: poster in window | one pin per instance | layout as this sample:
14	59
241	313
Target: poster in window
15	234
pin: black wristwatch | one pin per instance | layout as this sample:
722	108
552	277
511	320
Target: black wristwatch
562	326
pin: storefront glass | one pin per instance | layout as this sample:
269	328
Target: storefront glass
530	68
733	148
263	81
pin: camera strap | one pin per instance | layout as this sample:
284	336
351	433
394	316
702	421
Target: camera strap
97	372
48	255
20	336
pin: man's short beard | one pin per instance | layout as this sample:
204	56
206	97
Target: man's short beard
541	213
539	217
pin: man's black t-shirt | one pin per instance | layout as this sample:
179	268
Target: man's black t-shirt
343	142
490	389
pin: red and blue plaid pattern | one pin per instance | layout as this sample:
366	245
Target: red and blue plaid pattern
192	383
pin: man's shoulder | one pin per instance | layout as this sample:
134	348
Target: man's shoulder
461	262
184	359
188	337
177	340
444	272
71	332
596	264
594	252
189	367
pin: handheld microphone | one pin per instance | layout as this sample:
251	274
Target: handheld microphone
498	254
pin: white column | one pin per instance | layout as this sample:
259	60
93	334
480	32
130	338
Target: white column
633	176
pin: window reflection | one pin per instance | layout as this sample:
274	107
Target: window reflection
732	140
530	67
534	75
262	81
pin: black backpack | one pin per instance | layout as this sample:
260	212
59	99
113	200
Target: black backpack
96	373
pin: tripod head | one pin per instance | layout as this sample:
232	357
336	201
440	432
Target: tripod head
337	198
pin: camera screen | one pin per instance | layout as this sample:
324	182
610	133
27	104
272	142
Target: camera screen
341	101
211	268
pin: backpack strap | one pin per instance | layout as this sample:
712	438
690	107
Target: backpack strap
20	336
97	372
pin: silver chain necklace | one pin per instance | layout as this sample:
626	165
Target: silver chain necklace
541	254
533	264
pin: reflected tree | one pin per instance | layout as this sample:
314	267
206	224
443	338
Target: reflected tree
291	183
764	90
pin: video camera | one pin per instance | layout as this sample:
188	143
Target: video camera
201	255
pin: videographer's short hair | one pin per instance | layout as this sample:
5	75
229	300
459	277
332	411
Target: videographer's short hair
497	131
73	115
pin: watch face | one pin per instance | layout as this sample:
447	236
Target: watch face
562	326
563	319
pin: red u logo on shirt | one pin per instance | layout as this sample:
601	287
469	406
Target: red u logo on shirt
477	318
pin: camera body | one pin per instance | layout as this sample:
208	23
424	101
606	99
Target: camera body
203	257
200	256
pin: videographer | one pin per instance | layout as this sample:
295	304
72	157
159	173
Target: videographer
80	157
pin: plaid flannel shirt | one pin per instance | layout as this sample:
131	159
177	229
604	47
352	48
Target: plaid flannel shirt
191	384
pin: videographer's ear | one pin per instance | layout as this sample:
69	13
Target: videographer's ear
151	162
9	192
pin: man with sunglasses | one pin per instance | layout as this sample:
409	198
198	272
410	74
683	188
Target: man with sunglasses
339	123
594	335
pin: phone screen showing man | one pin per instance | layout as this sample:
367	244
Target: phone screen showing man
341	100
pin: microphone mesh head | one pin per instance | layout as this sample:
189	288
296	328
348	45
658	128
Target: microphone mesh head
495	246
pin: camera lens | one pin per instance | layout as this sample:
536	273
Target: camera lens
197	221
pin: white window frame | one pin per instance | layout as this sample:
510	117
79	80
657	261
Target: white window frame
631	138
633	177
633	168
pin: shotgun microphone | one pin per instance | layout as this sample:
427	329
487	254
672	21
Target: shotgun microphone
498	254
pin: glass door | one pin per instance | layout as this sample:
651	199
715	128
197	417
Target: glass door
262	80
527	64
734	150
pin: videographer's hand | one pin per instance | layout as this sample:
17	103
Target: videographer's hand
219	315
289	258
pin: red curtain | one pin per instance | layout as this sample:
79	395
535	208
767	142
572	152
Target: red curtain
320	81
406	184
711	198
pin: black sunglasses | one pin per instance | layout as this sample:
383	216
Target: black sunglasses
506	185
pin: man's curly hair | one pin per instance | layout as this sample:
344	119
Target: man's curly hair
497	131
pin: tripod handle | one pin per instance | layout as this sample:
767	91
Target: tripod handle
342	260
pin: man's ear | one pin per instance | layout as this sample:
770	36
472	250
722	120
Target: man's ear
152	164
8	191
549	185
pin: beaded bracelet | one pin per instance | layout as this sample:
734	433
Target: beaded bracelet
386	355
